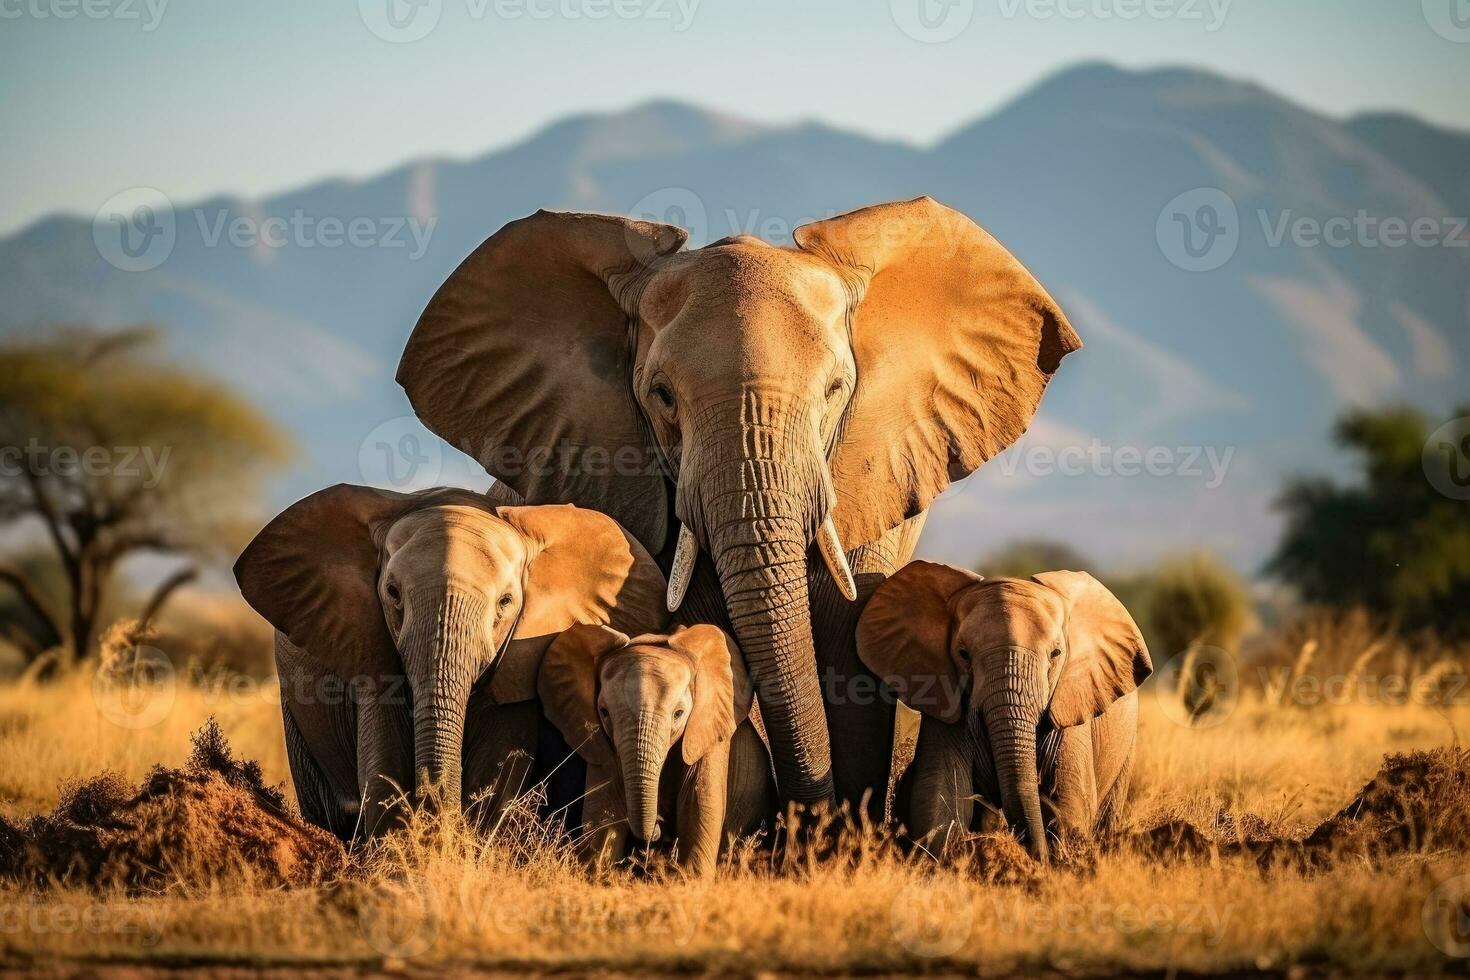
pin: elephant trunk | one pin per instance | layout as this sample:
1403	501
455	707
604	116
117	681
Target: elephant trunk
1012	713
642	748
761	503
440	649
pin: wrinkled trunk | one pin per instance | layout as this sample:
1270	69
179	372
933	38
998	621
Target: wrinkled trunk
1012	713
642	748
440	649
759	501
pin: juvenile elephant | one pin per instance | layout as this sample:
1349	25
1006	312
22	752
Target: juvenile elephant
1027	687
663	722
410	628
771	423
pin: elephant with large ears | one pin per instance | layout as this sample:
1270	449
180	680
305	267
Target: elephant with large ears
410	629
1025	686
663	721
772	423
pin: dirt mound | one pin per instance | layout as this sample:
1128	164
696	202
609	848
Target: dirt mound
1416	802
213	819
996	859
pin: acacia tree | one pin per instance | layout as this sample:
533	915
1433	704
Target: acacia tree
110	451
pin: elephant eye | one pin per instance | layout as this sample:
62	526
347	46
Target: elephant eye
678	713
394	596
834	388
505	601
663	394
1056	653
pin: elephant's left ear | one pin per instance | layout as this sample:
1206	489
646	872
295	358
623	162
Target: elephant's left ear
722	691
955	343
567	685
1107	656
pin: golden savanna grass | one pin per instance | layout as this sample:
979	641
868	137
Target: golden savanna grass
517	898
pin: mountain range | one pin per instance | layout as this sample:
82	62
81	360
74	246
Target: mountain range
1233	262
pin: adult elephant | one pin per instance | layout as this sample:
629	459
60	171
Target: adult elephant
770	405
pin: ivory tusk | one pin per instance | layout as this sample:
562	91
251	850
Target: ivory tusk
685	553
836	559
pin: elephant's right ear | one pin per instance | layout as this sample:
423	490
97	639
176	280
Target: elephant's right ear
312	573
904	633
524	353
567	685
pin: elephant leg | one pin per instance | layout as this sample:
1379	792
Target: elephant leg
939	787
604	839
751	796
700	811
1073	795
499	751
385	761
1114	741
318	801
860	712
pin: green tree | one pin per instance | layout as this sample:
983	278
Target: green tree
113	451
1196	600
1391	544
1026	557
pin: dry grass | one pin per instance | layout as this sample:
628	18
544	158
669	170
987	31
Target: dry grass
518	900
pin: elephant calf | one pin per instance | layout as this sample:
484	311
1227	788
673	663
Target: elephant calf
1027	687
663	722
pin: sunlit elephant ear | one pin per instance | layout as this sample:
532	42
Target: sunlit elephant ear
722	691
904	635
312	573
1106	656
955	342
567	686
522	359
581	568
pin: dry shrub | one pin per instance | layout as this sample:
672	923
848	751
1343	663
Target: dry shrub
213	820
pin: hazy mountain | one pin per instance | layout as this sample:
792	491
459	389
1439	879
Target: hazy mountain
1244	364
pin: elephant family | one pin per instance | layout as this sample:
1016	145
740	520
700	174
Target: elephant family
410	628
788	413
1026	687
664	724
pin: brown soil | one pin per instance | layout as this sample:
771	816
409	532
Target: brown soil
213	819
1416	802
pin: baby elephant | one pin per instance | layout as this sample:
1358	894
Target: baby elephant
1027	687
663	722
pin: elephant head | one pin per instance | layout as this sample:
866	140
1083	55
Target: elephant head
1058	648
644	696
439	587
774	397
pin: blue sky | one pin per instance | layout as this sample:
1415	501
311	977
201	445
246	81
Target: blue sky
196	97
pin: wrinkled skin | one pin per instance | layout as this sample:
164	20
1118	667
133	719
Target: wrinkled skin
433	611
771	398
663	723
1026	687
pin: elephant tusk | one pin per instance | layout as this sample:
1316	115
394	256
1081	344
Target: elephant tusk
685	554
836	559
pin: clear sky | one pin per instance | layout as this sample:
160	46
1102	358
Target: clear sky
202	96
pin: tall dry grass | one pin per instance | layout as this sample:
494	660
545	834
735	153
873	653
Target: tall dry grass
518	898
